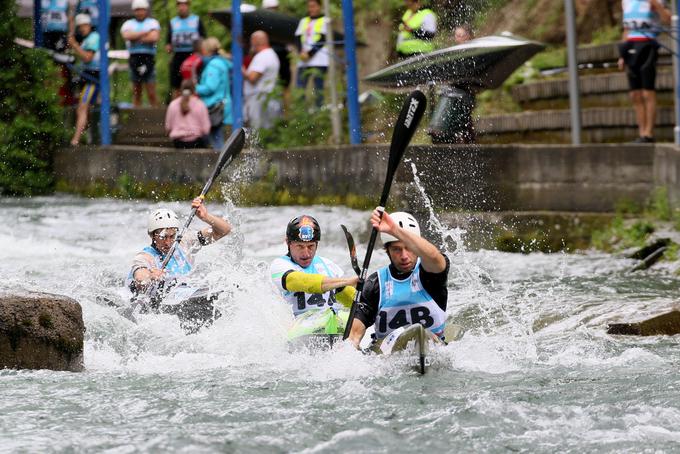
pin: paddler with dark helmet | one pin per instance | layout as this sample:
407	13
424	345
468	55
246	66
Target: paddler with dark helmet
306	280
162	227
411	289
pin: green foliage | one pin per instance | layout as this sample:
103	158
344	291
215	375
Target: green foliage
303	125
659	205
30	116
607	35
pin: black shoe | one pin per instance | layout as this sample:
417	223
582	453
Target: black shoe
644	139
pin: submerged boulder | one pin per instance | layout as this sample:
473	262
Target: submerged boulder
41	331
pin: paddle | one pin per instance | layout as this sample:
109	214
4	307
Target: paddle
231	149
406	126
352	250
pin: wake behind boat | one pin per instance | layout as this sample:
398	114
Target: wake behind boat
481	63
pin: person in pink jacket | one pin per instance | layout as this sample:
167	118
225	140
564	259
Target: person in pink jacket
187	121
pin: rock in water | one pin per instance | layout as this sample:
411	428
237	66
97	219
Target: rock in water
41	331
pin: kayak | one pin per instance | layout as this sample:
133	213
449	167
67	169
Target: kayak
318	329
478	64
194	307
415	342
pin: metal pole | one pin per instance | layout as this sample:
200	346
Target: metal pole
676	69
352	78
332	77
105	108
574	102
237	54
37	23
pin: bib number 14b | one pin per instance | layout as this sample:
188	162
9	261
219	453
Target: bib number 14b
403	318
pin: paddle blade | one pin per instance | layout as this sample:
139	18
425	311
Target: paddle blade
407	123
231	149
352	250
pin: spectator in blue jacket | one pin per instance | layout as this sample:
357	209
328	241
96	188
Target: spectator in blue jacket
214	89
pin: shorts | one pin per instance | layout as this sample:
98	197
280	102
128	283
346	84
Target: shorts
89	94
142	68
175	64
640	58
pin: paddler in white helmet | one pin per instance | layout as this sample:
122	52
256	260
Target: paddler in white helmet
411	289
162	227
306	280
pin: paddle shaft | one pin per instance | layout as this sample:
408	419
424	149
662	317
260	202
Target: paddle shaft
407	123
229	151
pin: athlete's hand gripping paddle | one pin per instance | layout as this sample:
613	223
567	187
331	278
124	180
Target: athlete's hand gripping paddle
231	149
409	117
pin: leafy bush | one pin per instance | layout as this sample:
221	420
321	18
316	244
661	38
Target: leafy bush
30	116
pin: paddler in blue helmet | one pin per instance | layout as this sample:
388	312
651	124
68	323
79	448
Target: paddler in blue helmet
306	280
411	289
163	226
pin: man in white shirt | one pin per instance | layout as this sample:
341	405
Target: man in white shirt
259	82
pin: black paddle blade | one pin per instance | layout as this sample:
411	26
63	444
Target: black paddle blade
407	123
352	250
231	149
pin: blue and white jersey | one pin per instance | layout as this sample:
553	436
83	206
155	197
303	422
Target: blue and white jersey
133	25
91	44
181	263
406	302
639	20
91	8
54	15
184	32
301	302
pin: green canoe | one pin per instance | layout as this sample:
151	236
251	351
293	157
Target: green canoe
319	328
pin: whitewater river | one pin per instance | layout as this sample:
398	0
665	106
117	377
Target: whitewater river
535	371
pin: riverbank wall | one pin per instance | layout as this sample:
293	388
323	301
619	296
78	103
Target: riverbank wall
531	186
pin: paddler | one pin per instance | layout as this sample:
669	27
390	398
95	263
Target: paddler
411	289
306	280
162	227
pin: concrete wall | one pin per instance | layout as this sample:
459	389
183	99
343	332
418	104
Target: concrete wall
493	177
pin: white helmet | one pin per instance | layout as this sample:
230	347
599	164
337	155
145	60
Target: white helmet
266	4
82	19
140	4
162	219
404	220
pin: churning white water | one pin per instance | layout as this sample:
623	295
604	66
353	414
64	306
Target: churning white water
535	371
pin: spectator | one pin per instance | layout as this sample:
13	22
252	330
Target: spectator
313	62
462	33
214	89
141	35
184	30
417	30
190	69
281	49
88	7
638	52
54	22
88	52
186	120
259	83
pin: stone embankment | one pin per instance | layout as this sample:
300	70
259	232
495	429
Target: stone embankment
41	331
